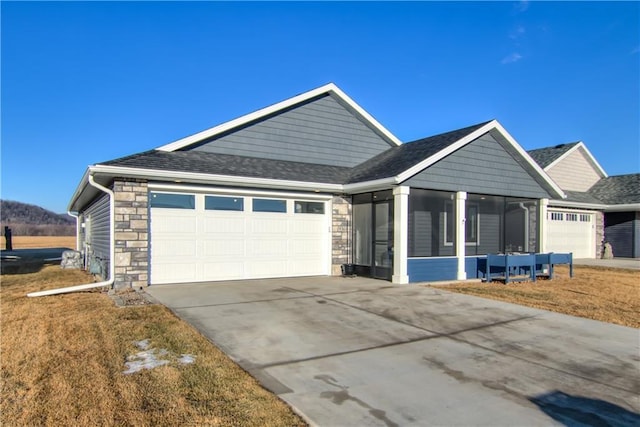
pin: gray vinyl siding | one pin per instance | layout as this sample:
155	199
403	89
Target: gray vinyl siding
482	166
622	231
575	172
321	131
98	236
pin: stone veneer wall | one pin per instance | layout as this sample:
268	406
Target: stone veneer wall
599	233
340	233
131	233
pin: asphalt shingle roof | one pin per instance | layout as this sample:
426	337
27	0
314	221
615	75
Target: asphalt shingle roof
387	164
545	156
619	189
582	197
225	164
398	159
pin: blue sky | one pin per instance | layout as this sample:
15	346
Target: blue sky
89	82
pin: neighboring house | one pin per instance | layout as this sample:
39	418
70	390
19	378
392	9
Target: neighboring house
304	186
598	208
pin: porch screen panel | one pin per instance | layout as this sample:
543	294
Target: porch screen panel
490	224
362	233
427	223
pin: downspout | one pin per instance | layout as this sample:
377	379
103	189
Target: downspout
77	217
526	225
112	251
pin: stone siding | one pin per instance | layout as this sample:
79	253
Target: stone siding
599	234
340	233
131	233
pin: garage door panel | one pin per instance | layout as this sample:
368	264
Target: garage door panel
223	248
267	268
175	272
173	223
267	247
174	247
191	245
226	270
269	225
223	224
306	246
570	231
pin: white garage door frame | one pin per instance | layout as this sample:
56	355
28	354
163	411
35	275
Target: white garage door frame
195	245
571	230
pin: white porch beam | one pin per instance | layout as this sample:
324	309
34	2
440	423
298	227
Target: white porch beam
542	225
400	235
461	199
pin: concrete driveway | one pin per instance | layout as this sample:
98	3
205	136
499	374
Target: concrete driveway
359	352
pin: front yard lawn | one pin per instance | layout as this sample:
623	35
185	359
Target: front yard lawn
63	361
605	294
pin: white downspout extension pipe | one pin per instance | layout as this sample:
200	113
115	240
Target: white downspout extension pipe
112	251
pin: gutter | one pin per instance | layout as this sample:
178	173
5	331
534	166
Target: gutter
112	267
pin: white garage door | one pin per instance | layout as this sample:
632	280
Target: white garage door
198	237
571	232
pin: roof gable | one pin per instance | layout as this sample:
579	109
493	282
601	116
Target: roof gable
404	162
545	156
328	89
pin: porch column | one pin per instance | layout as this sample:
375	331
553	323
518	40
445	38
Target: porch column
461	198
542	225
400	234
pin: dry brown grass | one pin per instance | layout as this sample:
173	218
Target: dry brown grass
606	294
62	363
31	242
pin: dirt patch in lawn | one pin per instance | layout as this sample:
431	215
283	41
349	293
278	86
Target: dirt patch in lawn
73	360
605	294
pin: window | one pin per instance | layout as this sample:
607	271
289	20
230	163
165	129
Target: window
269	205
557	216
309	207
572	217
172	201
585	218
472	224
218	203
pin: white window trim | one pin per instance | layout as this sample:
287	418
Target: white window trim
450	205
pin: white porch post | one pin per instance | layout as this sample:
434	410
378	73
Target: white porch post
542	225
461	198
400	234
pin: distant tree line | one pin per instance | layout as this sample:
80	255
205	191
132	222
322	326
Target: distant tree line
31	220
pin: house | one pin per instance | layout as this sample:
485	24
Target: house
598	208
305	186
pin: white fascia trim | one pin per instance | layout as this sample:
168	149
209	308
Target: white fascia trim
368	117
444	153
201	189
378	184
81	186
535	166
328	88
566	204
623	208
205	178
592	159
494	124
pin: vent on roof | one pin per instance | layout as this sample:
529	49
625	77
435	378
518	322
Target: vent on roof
559	145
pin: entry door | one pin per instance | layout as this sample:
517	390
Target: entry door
382	265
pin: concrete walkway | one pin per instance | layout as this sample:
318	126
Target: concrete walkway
360	352
628	263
